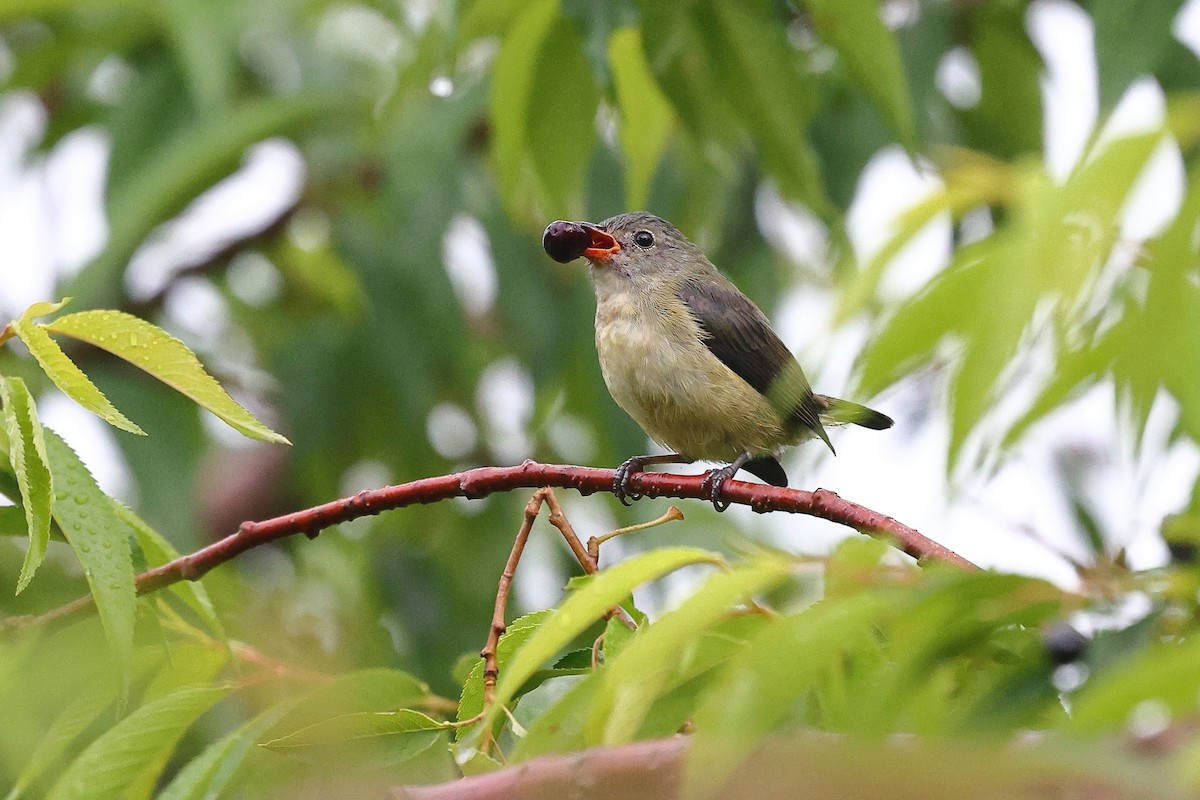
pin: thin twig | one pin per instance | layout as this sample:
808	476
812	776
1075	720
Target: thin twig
483	481
491	664
593	545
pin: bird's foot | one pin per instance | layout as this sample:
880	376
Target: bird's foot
621	480
714	484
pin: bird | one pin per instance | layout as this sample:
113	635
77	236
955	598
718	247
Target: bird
690	358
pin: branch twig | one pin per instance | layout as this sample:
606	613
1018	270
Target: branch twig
483	481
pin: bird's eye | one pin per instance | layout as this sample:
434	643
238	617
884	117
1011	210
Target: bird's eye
644	239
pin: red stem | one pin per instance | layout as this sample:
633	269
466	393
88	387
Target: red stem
483	481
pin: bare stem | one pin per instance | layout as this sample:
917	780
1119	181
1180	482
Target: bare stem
483	481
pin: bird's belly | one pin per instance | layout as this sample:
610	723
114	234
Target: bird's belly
683	396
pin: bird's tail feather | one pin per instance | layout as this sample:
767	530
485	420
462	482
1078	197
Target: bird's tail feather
843	412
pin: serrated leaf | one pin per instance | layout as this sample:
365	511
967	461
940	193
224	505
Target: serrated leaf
634	680
646	116
359	725
100	540
152	349
361	691
159	551
519	630
66	376
119	756
872	57
207	775
70	722
581	610
27	454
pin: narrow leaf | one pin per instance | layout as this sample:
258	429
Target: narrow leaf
544	100
764	680
171	361
174	174
100	540
635	680
583	608
27	454
365	690
519	630
70	722
208	774
68	377
119	755
159	551
646	116
359	725
872	57
1163	675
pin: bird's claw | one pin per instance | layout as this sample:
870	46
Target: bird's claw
714	485
621	481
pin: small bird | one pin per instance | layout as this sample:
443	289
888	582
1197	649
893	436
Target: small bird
692	359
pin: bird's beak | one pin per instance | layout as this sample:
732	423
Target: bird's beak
602	245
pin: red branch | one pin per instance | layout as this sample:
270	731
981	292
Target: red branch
483	481
820	765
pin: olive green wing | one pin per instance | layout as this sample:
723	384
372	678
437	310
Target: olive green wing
739	334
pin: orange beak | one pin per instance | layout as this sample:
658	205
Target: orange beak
603	244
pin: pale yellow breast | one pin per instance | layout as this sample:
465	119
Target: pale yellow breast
659	371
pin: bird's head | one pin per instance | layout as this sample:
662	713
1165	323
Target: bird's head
637	247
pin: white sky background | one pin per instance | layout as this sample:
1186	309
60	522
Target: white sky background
52	222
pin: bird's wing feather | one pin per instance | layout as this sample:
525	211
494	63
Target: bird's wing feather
739	334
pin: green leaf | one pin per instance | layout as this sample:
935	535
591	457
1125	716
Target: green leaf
560	729
27	454
544	100
70	722
208	774
100	540
581	610
519	630
1163	674
142	740
872	57
1131	37
634	680
617	636
365	690
759	71
60	369
646	116
12	521
159	551
359	725
762	682
1007	121
173	175
975	182
152	349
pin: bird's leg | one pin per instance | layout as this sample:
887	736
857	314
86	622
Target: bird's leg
635	465
716	480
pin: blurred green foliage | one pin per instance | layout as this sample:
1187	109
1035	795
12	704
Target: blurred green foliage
490	118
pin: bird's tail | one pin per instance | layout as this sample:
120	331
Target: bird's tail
843	412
